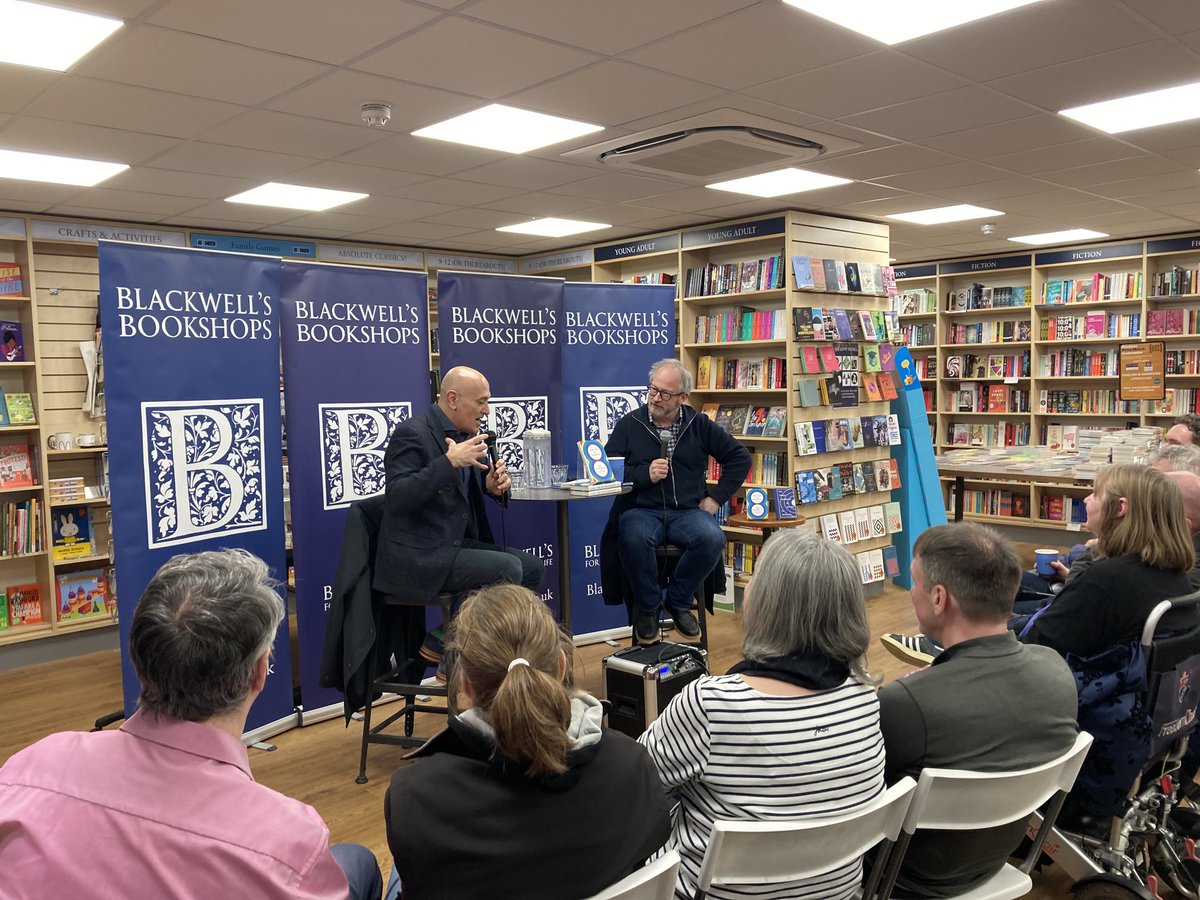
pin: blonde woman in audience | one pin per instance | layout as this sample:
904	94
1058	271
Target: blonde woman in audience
524	794
793	730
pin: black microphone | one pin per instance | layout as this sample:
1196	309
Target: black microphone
664	441
489	438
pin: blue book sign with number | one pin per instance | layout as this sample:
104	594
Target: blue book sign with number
785	503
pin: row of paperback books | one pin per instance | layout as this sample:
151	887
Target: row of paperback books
1061	508
1172	321
765	468
844	356
923	335
1097	402
835	435
741	557
12	284
840	390
721	373
1076	362
916	301
988	434
816	323
993	502
747	420
980	296
735	278
997	332
863	524
742	324
1178	401
995	365
86	594
814	273
1182	362
1177	282
1096	324
846	480
990	398
1093	289
21	527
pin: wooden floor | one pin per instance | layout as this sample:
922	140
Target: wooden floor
317	764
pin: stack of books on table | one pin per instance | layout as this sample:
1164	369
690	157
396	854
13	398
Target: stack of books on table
588	488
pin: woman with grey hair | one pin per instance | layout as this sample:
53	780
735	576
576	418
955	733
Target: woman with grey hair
791	731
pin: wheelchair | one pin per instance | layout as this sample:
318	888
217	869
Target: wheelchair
1152	843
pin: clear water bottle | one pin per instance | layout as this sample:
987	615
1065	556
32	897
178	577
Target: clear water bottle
536	444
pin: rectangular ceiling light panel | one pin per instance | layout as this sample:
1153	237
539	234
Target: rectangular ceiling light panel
960	213
778	183
47	37
56	169
506	128
295	196
1163	107
892	23
1071	235
551	227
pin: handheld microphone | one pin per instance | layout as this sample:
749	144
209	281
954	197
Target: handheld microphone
489	438
664	441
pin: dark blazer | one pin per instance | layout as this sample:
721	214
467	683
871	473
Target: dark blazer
428	510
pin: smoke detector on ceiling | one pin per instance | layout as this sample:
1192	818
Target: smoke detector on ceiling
376	114
716	146
987	228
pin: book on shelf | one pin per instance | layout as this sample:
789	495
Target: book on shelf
82	595
710	410
19	407
725	417
741	415
803	271
12	342
587	487
24	605
71	535
16	466
4	622
756	422
853	280
11	282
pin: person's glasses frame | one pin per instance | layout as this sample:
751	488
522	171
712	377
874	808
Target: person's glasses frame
652	391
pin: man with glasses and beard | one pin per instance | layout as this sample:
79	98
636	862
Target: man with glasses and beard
666	445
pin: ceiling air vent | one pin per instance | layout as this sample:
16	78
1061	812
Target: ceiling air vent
715	146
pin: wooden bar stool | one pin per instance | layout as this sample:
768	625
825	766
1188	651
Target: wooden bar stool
668	556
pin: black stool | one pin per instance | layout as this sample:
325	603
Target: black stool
393	682
668	556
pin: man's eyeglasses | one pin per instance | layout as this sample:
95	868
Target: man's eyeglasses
652	391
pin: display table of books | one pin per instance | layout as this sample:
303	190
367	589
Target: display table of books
562	496
1027	466
768	524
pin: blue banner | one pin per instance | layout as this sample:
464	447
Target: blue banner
1020	261
612	334
191	359
355	365
508	327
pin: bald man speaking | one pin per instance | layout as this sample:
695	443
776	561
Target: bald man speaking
435	534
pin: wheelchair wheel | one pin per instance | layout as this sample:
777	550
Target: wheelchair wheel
1182	874
1110	887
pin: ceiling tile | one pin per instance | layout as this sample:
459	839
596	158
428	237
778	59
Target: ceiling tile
1177	136
616	187
1128	70
611	93
500	61
238	162
239	214
879	163
414	232
398	209
107	202
953	175
148	180
603	27
128	108
1116	170
1185	179
339	96
530	174
420	155
279	132
538	204
449	190
866	82
166	60
116	9
476	218
310	29
778	41
1008	137
345	177
991	193
1030	38
1062	156
1050	199
22	84
88	141
341	221
950	111
34	192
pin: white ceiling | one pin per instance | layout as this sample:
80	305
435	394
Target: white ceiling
204	100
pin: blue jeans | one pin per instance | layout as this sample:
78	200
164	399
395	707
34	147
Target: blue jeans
478	564
692	530
361	868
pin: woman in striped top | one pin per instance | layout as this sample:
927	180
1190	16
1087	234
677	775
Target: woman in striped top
790	732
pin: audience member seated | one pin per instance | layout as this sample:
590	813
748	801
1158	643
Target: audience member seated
525	794
166	806
791	731
987	704
1185	430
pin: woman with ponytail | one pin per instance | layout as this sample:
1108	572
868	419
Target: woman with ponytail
524	794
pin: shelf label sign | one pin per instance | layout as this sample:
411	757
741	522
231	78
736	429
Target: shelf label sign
739	232
557	261
1174	245
242	243
12	228
1087	254
471	263
641	247
91	233
925	271
1020	261
1142	371
371	256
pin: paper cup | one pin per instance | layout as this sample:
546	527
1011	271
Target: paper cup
1044	560
618	467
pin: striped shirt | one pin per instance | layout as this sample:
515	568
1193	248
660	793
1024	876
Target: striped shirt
731	752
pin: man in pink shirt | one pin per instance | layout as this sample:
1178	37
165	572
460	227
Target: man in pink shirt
166	805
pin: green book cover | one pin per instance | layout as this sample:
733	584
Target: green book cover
20	408
3	610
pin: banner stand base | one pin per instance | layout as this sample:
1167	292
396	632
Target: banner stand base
260	734
599	637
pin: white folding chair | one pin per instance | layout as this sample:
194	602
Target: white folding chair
742	852
955	800
653	881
